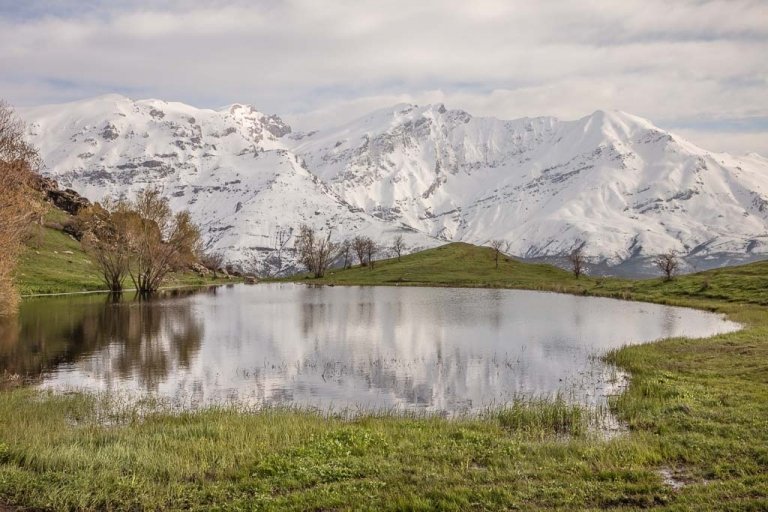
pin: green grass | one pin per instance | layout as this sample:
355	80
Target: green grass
66	457
695	409
54	262
465	265
456	264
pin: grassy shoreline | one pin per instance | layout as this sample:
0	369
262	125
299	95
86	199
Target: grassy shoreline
696	411
186	282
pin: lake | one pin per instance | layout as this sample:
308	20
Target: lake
443	350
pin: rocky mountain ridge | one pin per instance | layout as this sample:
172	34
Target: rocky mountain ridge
611	182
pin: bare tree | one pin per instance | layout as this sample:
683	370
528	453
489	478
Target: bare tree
668	264
160	241
213	261
20	204
578	261
360	246
371	248
280	240
315	252
398	246
345	253
106	240
499	247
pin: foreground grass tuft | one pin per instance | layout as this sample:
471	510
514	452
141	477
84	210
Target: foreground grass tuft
544	417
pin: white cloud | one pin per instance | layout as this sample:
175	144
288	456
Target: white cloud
661	60
730	142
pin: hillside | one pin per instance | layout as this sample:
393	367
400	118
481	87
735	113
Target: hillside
611	181
461	264
54	262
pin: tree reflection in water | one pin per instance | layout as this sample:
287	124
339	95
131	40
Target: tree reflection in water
127	337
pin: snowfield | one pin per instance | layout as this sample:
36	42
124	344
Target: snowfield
612	182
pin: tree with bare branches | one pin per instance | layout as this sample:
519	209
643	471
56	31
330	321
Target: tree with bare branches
398	246
160	241
213	261
371	249
20	204
360	246
499	247
668	263
578	261
105	239
315	252
280	240
345	253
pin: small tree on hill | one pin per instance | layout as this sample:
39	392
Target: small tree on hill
345	253
213	261
280	240
668	264
315	252
499	247
360	247
578	261
398	246
371	248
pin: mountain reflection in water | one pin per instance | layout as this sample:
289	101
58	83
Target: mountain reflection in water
434	349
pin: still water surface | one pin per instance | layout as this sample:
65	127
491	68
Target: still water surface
428	349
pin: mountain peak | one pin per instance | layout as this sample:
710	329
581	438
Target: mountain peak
618	117
609	125
111	97
240	108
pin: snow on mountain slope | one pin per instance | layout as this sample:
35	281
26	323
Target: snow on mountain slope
611	181
229	168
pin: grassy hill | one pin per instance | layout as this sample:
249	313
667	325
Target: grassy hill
461	264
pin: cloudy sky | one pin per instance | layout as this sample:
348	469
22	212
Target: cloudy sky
699	68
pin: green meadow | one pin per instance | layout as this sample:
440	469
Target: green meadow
694	416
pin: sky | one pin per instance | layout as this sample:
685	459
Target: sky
698	68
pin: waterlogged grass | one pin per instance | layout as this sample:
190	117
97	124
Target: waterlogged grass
67	453
545	417
696	438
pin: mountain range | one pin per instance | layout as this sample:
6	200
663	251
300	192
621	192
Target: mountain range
611	182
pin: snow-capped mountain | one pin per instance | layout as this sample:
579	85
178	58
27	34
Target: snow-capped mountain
612	182
228	167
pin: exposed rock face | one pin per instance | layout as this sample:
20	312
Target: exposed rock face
68	200
200	270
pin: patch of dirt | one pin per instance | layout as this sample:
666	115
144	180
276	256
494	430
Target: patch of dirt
677	478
